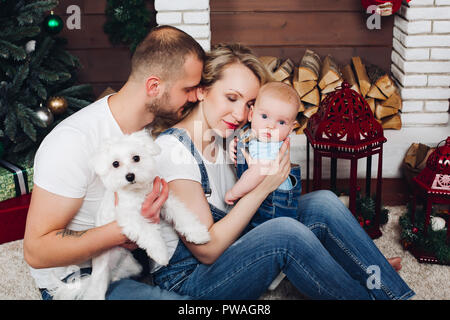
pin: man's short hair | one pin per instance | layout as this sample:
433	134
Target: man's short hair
163	53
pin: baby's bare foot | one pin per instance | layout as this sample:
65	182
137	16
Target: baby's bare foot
396	263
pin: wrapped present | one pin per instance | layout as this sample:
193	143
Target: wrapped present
16	179
13	216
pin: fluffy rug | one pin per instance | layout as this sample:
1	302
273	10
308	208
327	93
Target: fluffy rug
430	282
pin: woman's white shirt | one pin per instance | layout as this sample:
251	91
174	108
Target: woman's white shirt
176	162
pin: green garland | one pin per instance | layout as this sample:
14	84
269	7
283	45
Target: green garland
434	243
365	207
128	22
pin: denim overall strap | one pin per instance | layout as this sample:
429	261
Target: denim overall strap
183	263
184	138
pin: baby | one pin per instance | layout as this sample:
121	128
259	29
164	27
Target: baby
272	119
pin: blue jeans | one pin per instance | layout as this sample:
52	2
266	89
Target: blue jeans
325	254
279	203
128	289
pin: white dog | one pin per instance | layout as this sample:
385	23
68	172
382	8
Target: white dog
127	166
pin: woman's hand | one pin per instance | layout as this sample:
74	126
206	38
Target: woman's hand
232	150
276	170
151	207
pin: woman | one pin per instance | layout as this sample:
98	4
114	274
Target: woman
325	253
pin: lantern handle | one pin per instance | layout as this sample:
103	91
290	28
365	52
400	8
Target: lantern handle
344	85
447	142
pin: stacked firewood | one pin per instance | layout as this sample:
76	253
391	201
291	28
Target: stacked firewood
313	78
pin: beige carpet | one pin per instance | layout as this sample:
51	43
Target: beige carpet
430	282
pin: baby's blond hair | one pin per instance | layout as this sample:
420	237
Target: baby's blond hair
280	91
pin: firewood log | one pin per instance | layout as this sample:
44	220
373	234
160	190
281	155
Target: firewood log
386	85
302	123
394	101
329	72
383	112
271	63
392	122
371	103
374	92
284	70
288	81
309	66
349	76
302	87
361	74
309	111
312	97
301	108
332	86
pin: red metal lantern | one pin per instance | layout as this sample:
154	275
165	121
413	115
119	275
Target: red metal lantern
344	127
433	185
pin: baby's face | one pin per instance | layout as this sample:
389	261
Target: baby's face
272	119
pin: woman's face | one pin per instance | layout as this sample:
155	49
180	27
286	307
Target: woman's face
227	103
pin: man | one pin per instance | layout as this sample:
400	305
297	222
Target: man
165	69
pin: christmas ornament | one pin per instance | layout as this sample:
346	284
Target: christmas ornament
57	105
45	115
30	46
384	7
53	24
437	223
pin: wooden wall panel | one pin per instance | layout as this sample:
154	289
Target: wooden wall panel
286	28
103	65
285	5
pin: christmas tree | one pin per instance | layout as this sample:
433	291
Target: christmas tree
38	84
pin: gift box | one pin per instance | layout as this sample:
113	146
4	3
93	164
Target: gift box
13	216
16	183
16	179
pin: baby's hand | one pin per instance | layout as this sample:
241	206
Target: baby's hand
229	198
232	150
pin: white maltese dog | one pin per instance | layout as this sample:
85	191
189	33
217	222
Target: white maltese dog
127	166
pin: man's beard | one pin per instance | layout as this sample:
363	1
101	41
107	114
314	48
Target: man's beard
157	108
170	116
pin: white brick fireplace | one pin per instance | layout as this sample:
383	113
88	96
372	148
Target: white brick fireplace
421	61
191	16
420	66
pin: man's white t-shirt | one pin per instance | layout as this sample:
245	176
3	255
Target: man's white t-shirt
176	162
62	166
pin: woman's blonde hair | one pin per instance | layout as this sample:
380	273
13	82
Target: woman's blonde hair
221	56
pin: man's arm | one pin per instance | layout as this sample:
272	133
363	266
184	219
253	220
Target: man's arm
47	242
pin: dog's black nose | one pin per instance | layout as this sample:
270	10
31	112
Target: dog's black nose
130	177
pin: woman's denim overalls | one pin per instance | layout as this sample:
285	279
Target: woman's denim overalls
183	263
280	203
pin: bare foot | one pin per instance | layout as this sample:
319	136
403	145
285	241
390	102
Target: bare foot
396	263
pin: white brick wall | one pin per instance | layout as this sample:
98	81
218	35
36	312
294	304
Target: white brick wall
421	61
191	16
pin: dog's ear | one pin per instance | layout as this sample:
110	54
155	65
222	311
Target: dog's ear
145	139
100	161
